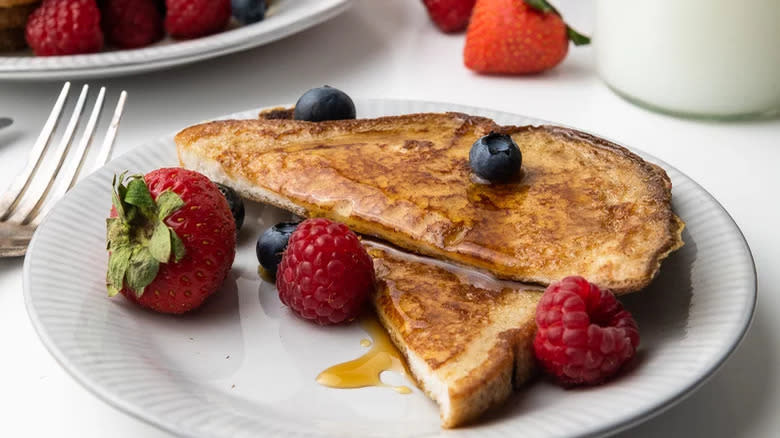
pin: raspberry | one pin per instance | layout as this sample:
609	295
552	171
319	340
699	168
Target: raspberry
325	275
132	23
196	18
64	27
584	335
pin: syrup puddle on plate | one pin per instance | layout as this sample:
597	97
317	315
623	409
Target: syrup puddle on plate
366	370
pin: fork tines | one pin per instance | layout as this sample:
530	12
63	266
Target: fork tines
48	174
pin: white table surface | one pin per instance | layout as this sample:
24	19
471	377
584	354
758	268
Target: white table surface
386	48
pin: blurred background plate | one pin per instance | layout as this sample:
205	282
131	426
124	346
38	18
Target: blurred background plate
284	18
243	366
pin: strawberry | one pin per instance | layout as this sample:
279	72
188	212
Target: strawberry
516	37
171	239
450	15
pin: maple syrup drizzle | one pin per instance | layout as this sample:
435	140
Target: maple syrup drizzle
366	370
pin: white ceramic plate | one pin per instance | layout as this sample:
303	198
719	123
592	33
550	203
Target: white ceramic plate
285	17
244	366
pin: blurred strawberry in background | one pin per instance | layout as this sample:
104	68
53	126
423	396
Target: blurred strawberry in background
507	36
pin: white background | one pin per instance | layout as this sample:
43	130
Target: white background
386	48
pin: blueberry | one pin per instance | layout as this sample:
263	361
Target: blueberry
235	203
324	103
272	243
495	157
248	11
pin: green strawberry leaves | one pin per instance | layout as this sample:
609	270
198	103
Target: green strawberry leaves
139	196
141	271
544	7
178	247
138	238
117	267
117	232
117	194
541	6
160	243
577	38
167	203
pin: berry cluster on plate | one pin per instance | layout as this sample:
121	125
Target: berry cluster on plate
172	236
506	36
70	27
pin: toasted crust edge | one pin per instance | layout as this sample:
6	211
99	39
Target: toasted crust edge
661	184
661	192
510	365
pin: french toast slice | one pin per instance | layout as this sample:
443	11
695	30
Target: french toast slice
584	206
467	337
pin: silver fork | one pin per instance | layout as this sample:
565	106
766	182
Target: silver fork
50	172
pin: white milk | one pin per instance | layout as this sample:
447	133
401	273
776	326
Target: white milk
698	57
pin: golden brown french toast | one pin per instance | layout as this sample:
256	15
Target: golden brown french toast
13	18
14	13
583	207
465	335
12	3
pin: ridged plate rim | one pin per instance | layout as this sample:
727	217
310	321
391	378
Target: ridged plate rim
745	293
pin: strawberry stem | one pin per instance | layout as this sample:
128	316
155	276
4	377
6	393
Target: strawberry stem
138	240
544	7
577	38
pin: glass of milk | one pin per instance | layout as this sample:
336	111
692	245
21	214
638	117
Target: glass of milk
700	58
